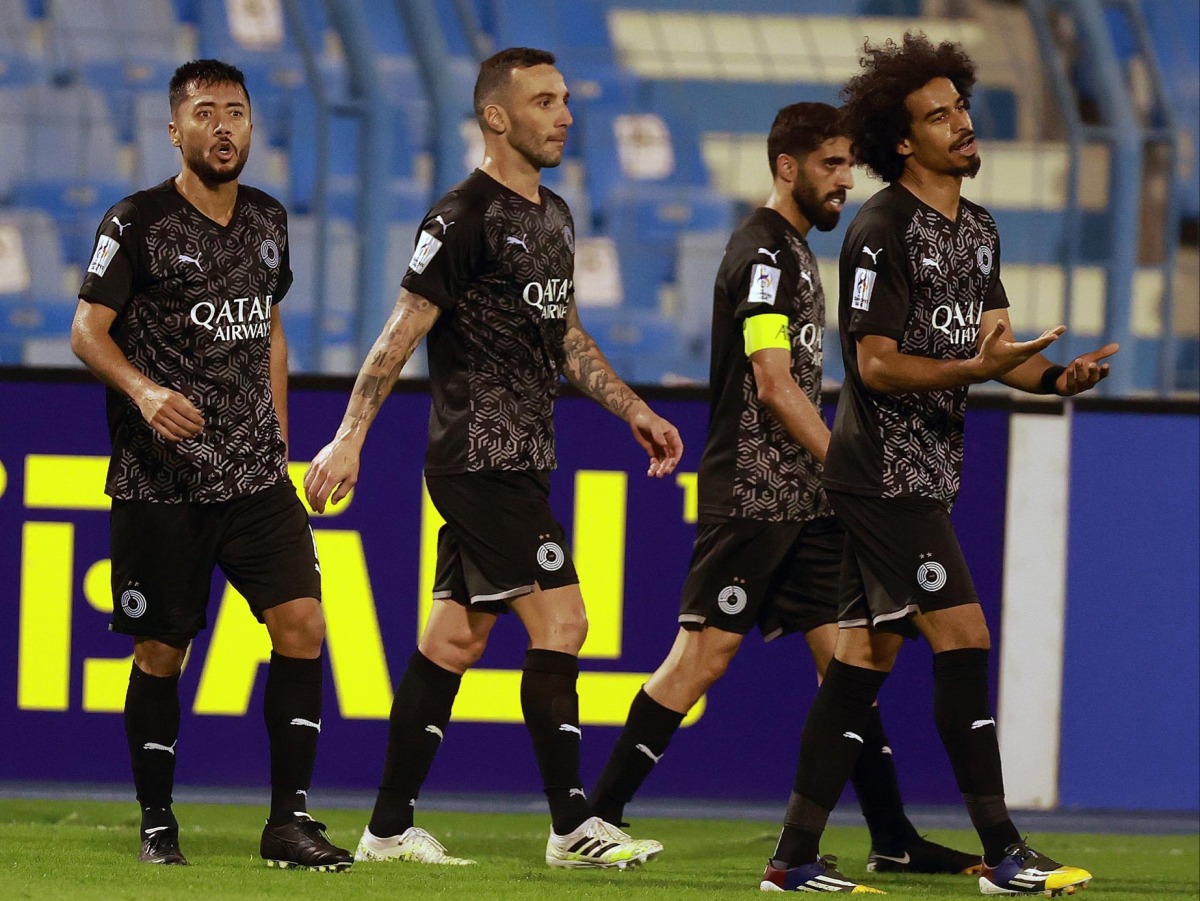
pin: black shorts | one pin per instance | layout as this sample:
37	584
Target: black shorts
902	558
163	557
781	576
500	540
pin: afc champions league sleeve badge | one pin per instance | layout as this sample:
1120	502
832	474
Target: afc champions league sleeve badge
269	252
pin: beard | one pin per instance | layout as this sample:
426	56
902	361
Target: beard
535	152
209	175
972	167
812	206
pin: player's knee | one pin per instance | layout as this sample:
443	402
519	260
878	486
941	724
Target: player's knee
456	653
155	658
297	630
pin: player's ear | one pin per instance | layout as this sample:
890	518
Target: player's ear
496	118
173	133
787	167
904	148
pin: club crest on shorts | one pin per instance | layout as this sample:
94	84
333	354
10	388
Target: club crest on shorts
550	556
133	602
732	599
931	575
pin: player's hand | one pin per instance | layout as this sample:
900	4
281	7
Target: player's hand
170	413
1085	372
659	439
997	355
334	471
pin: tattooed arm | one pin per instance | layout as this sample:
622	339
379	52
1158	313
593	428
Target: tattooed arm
589	371
336	466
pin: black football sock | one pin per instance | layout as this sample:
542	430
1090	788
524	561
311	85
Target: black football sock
550	704
829	745
874	780
420	711
292	712
642	743
152	728
968	730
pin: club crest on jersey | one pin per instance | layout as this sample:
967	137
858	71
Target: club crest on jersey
106	249
864	286
569	238
764	284
549	298
235	320
427	248
269	251
983	256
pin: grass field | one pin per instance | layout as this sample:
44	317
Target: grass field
88	850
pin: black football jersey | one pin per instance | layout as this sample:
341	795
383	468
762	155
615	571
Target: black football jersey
501	268
909	273
751	468
193	300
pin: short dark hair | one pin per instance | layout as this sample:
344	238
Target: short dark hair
497	68
801	128
877	118
203	72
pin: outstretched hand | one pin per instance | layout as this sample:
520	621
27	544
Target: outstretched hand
1085	372
659	439
999	356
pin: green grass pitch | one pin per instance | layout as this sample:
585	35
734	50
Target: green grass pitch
87	850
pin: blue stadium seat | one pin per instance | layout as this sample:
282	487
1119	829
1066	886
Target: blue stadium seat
40	310
642	346
336	328
20	61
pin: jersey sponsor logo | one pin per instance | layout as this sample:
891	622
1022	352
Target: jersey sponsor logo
235	320
809	336
764	284
106	249
958	323
873	254
427	248
807	276
983	256
518	242
121	226
185	258
549	298
931	576
444	224
269	252
864	286
550	556
732	599
133	602
768	253
931	263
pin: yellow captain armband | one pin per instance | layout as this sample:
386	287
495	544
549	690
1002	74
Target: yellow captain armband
766	330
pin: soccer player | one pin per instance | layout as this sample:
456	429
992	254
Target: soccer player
490	283
768	549
923	315
178	316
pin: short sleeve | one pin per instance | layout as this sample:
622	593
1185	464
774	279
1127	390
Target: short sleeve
996	297
875	273
449	251
763	277
112	270
285	266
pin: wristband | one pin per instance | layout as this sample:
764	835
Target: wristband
1050	378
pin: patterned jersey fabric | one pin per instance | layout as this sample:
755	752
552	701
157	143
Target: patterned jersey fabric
751	468
909	273
500	267
193	300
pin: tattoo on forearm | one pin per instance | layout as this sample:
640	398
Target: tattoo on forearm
590	372
392	350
